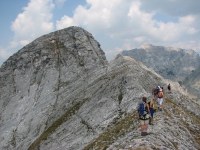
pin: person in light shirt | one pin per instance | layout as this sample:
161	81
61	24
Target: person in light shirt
160	99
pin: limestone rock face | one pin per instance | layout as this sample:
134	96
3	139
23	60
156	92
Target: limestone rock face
44	80
171	63
60	93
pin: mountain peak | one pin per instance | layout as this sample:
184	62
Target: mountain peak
145	46
72	44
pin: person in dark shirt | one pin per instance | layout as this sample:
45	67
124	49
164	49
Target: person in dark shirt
144	119
169	88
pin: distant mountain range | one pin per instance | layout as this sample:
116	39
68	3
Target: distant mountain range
172	63
192	83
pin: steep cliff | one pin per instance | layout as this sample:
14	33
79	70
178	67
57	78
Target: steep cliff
60	93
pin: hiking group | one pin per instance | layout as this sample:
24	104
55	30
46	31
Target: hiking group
146	109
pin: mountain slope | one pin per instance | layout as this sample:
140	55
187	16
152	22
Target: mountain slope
192	83
171	63
174	128
44	80
59	92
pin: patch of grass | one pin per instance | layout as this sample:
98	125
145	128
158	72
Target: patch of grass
13	141
175	144
113	132
194	133
59	44
56	124
120	97
141	148
168	114
166	122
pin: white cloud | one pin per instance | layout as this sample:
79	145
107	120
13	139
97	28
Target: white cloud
34	21
110	54
24	42
187	20
194	45
139	39
128	22
59	3
65	22
96	16
4	53
172	8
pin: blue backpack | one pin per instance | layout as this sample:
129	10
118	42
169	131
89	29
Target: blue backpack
141	109
157	90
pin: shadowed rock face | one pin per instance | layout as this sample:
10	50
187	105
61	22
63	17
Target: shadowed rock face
59	92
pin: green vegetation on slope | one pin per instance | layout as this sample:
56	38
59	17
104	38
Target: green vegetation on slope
56	124
118	129
195	120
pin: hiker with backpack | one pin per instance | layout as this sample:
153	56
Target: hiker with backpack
158	89
152	109
154	91
160	99
143	111
163	90
169	88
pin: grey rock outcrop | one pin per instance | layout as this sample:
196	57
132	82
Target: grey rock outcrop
171	63
60	93
44	80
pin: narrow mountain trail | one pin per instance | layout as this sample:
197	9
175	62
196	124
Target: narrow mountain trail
173	129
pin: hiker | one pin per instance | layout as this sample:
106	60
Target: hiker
169	88
157	89
160	99
152	109
143	111
154	91
163	90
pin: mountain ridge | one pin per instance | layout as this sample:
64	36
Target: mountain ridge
60	92
172	63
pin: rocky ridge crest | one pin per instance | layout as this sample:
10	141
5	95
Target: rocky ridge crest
63	94
172	63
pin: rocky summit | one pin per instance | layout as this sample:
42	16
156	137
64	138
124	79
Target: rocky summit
60	93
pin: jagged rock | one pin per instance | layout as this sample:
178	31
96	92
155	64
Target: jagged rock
59	92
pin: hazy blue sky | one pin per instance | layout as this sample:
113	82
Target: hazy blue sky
116	24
